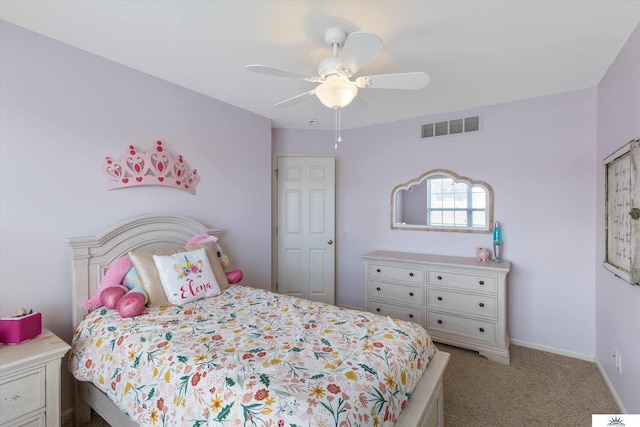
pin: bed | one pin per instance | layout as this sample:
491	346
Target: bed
244	357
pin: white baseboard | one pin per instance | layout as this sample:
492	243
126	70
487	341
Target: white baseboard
612	390
561	352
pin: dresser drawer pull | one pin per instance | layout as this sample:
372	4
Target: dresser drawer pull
378	309
439	298
439	277
378	270
378	288
411	274
410	294
481	282
481	304
411	315
481	329
440	321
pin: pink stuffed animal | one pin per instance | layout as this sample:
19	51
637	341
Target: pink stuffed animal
132	304
109	297
113	277
114	295
233	276
130	301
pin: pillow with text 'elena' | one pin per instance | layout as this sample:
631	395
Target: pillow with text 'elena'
148	272
186	276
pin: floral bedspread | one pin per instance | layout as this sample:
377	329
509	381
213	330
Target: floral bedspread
252	358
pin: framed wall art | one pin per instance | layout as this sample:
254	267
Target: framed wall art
622	212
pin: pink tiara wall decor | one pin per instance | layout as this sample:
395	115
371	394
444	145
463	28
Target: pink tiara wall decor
155	167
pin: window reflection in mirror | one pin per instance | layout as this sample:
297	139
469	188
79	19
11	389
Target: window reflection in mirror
441	200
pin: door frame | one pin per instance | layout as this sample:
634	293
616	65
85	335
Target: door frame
274	208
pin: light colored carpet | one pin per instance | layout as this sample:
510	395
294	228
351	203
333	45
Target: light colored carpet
537	389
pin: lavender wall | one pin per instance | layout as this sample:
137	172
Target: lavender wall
618	303
538	156
62	111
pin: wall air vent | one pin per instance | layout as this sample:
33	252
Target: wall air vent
450	127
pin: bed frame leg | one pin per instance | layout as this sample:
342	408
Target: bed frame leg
82	410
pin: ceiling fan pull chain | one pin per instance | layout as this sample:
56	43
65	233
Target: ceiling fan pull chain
338	137
337	109
339	124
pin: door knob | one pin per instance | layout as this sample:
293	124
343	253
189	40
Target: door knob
330	242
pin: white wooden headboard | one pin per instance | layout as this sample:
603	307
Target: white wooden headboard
93	255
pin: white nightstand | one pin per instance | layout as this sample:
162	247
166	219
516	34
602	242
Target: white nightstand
30	381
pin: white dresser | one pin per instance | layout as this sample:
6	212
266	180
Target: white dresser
30	381
460	301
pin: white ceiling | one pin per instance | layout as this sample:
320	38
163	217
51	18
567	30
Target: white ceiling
476	52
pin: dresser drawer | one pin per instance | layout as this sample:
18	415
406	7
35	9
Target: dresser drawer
473	304
413	295
412	314
22	394
479	330
388	272
461	280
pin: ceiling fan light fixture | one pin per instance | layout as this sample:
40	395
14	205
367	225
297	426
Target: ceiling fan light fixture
336	92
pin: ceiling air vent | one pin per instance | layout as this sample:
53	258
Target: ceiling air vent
450	127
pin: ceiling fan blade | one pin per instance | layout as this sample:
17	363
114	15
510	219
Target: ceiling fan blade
265	69
295	99
415	80
358	49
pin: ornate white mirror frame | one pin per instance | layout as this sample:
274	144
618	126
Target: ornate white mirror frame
471	211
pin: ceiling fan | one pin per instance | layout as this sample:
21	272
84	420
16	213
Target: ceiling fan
336	89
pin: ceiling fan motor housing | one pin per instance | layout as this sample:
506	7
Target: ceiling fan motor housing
335	36
328	66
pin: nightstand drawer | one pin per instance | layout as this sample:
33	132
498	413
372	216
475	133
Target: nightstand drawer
413	295
463	303
22	394
38	420
471	328
412	314
404	274
463	281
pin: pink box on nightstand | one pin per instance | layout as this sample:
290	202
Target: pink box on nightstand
14	330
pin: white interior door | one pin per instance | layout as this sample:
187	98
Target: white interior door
306	227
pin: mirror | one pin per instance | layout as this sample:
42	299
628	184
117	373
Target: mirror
441	200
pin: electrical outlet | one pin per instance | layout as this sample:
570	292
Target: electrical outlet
619	362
